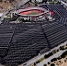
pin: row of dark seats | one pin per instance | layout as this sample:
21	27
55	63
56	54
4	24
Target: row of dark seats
61	11
56	34
53	7
6	32
29	40
28	44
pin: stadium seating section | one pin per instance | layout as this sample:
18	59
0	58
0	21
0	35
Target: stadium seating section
21	42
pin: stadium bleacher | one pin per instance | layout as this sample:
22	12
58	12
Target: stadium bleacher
21	42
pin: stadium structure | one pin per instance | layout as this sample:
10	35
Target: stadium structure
34	14
28	32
